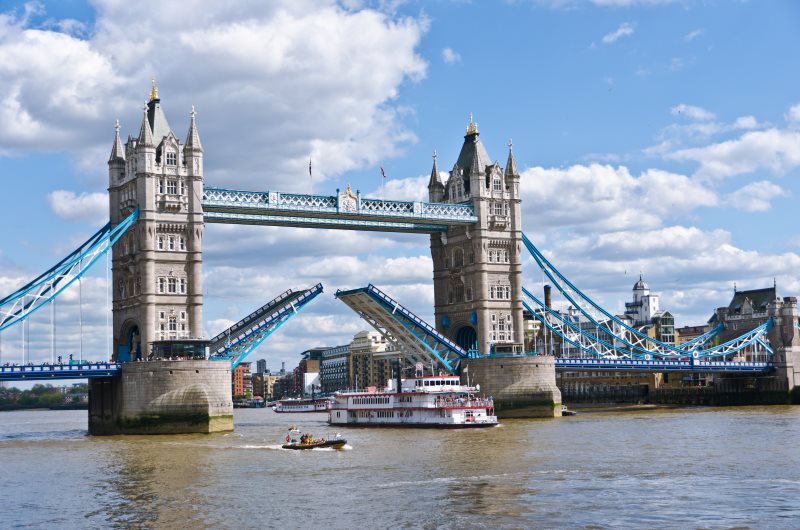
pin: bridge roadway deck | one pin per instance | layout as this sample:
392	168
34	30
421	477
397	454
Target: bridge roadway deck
39	372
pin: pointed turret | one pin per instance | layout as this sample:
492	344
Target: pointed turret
473	158
435	184
117	152
193	137
145	133
511	164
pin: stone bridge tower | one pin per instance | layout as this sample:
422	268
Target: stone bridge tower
477	273
784	338
157	264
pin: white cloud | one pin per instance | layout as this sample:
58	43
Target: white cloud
756	196
624	30
793	115
773	149
450	56
689	37
603	198
298	63
692	112
85	207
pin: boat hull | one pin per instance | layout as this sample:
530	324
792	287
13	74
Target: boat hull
419	425
335	444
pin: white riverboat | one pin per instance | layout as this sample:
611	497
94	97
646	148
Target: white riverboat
302	405
435	401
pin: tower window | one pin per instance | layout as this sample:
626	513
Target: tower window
160	242
497	184
171	243
172	285
182	243
172	187
172	158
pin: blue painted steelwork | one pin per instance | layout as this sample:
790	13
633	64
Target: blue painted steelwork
38	372
661	365
344	211
237	342
417	340
636	342
598	348
321	222
31	297
558	279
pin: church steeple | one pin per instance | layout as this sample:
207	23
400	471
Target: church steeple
193	138
145	134
117	152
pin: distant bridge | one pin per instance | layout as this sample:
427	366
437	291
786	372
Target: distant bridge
39	372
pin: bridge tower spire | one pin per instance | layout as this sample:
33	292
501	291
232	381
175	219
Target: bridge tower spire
477	270
157	264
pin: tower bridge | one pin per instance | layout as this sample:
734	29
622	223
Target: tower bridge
159	205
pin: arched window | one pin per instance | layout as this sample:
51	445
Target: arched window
458	257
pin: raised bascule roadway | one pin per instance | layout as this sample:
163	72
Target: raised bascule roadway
159	206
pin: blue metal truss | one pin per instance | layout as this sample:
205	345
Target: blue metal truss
241	339
417	341
631	337
596	347
345	210
39	372
31	297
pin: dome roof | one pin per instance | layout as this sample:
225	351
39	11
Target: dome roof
640	285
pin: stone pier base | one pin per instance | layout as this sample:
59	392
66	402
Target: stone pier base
522	387
163	397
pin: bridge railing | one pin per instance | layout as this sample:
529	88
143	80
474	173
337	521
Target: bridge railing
224	200
41	368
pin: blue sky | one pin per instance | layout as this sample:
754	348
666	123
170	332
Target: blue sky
653	136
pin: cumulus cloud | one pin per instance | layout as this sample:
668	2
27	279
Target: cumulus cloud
793	115
599	197
450	56
624	30
84	206
756	196
298	63
773	149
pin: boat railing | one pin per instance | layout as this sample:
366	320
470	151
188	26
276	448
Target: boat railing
464	402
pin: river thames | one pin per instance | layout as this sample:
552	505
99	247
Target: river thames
673	468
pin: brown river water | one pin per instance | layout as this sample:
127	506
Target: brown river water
673	468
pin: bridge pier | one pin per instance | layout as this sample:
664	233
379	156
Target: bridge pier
522	386
163	397
785	340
